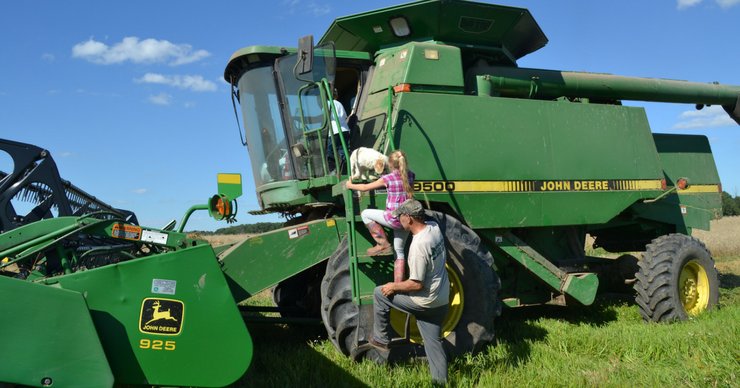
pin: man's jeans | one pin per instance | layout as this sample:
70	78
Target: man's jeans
334	139
429	321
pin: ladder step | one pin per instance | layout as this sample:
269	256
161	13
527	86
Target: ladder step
365	259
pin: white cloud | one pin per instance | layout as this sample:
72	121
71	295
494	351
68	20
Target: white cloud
161	99
683	4
312	7
64	154
727	3
195	83
319	9
140	191
711	117
137	51
48	57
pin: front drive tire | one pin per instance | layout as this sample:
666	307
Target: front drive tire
677	279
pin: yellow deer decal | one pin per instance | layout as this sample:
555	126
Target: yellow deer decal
157	315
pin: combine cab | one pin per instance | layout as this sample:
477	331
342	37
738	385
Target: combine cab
517	166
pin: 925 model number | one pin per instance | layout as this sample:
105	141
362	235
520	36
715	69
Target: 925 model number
157	344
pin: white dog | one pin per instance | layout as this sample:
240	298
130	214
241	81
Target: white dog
364	160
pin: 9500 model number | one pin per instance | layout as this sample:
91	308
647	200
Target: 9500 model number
434	186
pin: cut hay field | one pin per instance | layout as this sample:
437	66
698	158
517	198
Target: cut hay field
724	242
603	345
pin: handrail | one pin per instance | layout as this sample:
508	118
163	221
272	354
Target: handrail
346	193
335	117
188	213
388	125
324	122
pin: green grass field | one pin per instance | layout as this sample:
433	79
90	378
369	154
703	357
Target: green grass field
605	345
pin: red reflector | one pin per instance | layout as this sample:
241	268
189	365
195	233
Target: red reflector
663	184
222	207
402	88
682	183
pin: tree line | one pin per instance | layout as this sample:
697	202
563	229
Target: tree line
730	205
259	227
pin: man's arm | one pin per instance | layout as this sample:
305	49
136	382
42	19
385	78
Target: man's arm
405	286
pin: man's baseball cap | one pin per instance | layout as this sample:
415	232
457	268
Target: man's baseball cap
409	207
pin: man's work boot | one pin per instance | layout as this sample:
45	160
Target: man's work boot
383	247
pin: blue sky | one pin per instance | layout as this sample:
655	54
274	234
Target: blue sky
128	95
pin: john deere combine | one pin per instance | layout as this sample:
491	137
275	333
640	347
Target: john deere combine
517	165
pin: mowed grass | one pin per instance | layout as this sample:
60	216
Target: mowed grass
605	345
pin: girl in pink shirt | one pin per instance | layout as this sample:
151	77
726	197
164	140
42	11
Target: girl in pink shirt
398	185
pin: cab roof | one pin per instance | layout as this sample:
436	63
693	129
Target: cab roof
453	22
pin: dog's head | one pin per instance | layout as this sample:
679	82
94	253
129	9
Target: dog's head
380	164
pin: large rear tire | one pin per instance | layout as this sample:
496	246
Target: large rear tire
339	313
469	324
677	279
473	264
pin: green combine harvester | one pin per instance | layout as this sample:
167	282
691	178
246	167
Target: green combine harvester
517	166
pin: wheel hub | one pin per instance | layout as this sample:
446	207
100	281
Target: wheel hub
456	305
690	293
693	289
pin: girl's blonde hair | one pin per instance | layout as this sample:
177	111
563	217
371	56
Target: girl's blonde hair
397	160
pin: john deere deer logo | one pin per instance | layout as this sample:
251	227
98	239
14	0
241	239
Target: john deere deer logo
161	316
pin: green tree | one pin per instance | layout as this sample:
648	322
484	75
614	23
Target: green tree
259	227
730	206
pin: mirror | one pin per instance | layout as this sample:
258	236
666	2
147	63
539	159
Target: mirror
305	54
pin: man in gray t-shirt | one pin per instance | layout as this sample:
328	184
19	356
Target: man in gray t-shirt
426	258
425	294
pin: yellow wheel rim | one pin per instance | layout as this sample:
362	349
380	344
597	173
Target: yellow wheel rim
693	288
398	318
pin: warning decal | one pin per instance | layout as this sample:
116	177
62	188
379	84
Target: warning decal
298	232
127	232
161	316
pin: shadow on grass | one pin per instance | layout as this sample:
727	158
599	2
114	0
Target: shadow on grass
600	313
517	336
517	329
283	358
729	280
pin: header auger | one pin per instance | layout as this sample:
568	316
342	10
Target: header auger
516	165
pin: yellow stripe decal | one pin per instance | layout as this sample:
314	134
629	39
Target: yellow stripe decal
544	186
235	179
695	189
